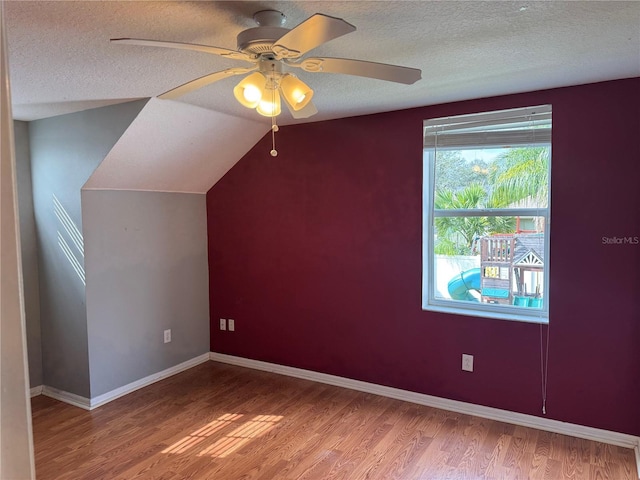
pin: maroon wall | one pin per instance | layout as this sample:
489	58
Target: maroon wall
316	254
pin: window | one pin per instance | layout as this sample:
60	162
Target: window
486	213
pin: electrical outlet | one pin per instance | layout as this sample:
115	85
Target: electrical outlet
232	324
167	336
223	324
467	362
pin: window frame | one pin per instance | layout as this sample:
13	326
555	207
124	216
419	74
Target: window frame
462	307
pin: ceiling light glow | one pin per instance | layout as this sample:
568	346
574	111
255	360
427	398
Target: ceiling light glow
252	93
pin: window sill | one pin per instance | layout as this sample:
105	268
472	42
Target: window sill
536	316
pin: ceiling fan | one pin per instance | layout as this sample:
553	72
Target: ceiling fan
274	51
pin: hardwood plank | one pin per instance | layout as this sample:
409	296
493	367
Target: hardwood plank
474	436
221	422
497	444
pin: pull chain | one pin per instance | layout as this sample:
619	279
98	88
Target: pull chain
274	127
544	367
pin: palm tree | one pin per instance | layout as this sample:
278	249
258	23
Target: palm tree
457	234
521	174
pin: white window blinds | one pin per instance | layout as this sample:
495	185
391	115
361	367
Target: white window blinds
506	128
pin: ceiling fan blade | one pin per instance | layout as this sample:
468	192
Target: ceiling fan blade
311	33
202	82
305	112
184	46
381	71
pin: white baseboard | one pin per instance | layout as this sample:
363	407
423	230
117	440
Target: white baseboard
90	404
66	397
555	426
100	400
35	391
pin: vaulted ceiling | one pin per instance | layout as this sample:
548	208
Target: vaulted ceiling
61	59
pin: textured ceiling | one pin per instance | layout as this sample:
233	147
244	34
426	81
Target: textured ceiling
61	59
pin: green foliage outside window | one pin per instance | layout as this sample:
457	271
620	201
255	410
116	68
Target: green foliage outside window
514	177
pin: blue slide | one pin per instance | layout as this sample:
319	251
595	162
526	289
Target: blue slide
460	285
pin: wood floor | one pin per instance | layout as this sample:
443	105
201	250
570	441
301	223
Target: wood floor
223	422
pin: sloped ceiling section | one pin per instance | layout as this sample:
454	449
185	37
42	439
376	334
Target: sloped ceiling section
176	147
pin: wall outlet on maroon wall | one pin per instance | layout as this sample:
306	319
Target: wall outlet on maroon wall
467	362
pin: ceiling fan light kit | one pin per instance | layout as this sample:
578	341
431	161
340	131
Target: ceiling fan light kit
273	50
255	90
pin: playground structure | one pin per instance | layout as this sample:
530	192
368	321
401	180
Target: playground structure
510	273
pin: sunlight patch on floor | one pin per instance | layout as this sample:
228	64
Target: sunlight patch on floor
229	443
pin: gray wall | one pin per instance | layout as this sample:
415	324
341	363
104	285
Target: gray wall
146	267
65	150
142	255
28	243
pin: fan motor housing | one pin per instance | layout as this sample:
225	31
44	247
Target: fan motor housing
259	40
